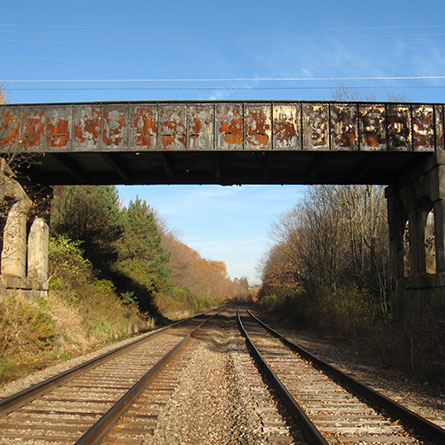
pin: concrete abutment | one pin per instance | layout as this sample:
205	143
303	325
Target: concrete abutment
24	258
418	257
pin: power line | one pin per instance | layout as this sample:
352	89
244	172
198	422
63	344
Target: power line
159	28
232	79
168	63
193	45
333	87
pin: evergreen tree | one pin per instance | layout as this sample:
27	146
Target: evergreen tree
141	256
91	215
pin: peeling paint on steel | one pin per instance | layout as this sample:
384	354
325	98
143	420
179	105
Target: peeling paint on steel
423	127
87	121
344	126
33	127
9	127
440	133
58	123
222	126
172	128
200	126
286	126
144	126
257	126
114	128
372	121
315	127
229	125
399	127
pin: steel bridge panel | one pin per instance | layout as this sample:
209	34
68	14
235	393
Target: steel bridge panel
143	127
399	127
372	127
344	127
201	126
315	126
229	127
222	142
286	126
257	126
439	127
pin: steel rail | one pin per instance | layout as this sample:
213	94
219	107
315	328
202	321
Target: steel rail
309	430
16	400
97	432
394	409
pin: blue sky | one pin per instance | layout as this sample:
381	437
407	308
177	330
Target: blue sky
141	50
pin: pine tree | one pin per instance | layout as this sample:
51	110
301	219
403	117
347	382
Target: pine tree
140	253
91	215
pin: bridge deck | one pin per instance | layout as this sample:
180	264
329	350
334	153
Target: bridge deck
221	142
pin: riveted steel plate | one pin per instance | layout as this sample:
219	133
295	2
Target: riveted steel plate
439	120
372	122
9	127
257	126
344	127
172	127
423	127
287	126
114	126
229	126
143	127
316	126
58	127
399	127
86	127
33	128
201	126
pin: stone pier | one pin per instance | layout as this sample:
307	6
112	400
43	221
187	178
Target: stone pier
24	259
416	216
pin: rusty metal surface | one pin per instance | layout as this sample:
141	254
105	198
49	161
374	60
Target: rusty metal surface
173	126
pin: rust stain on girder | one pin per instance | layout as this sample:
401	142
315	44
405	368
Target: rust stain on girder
222	126
257	126
9	128
58	133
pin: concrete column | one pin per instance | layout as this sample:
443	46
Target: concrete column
396	222
439	233
38	252
417	257
14	240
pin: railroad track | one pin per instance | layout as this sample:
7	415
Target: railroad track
328	405
81	405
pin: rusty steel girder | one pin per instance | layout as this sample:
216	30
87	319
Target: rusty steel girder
176	126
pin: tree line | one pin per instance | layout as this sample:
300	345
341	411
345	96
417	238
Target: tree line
328	269
132	247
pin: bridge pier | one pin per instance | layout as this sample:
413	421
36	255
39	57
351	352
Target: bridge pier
416	217
24	258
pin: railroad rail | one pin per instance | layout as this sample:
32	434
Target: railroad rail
328	405
82	404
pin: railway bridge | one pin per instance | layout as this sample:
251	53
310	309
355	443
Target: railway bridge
400	145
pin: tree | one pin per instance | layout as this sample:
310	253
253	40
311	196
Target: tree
91	215
141	256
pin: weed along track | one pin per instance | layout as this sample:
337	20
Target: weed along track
330	406
197	382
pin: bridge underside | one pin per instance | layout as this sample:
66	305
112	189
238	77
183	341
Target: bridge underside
226	168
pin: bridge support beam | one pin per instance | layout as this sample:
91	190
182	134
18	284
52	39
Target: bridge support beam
416	216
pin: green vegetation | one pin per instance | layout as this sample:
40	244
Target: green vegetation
81	312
